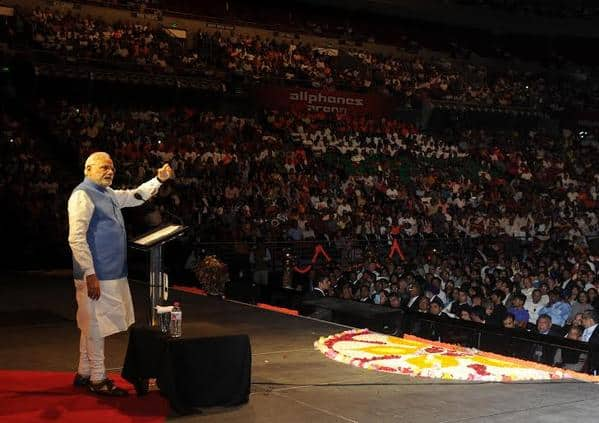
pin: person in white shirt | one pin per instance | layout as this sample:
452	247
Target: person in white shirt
98	243
534	304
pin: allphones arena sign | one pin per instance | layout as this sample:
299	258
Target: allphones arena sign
322	100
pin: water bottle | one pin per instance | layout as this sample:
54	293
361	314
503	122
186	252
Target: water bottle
176	321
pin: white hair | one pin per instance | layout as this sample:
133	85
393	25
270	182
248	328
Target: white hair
95	158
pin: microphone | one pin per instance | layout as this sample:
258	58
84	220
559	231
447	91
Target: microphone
138	196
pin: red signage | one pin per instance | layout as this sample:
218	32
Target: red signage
323	100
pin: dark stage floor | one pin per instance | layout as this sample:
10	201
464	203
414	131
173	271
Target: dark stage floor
291	382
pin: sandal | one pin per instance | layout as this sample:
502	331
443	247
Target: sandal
106	387
80	381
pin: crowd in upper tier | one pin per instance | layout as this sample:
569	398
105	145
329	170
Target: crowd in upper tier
411	78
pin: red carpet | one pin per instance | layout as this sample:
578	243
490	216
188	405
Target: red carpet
27	397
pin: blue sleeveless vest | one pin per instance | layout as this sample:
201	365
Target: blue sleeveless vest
106	234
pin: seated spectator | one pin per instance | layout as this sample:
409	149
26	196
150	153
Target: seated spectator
509	321
394	301
364	294
477	309
321	286
577	321
321	289
544	353
436	308
423	304
518	311
499	311
580	305
568	358
412	304
464	314
534	304
557	309
463	303
590	320
346	292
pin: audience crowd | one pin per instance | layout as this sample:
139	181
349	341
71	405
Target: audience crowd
516	211
367	178
553	8
411	78
548	289
31	190
91	38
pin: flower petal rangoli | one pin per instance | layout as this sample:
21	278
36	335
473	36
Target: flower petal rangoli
419	357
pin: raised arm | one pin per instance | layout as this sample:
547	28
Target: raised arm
137	196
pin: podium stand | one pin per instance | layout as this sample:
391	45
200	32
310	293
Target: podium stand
152	242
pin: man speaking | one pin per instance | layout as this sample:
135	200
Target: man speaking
98	242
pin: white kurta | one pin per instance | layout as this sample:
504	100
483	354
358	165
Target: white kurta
113	311
110	314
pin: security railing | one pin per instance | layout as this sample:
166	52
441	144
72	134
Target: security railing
518	343
350	251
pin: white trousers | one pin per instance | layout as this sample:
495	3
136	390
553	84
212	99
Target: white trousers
91	357
111	313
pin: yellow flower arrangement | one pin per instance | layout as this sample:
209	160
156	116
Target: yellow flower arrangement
414	356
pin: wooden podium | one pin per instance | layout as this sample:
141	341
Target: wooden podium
152	242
